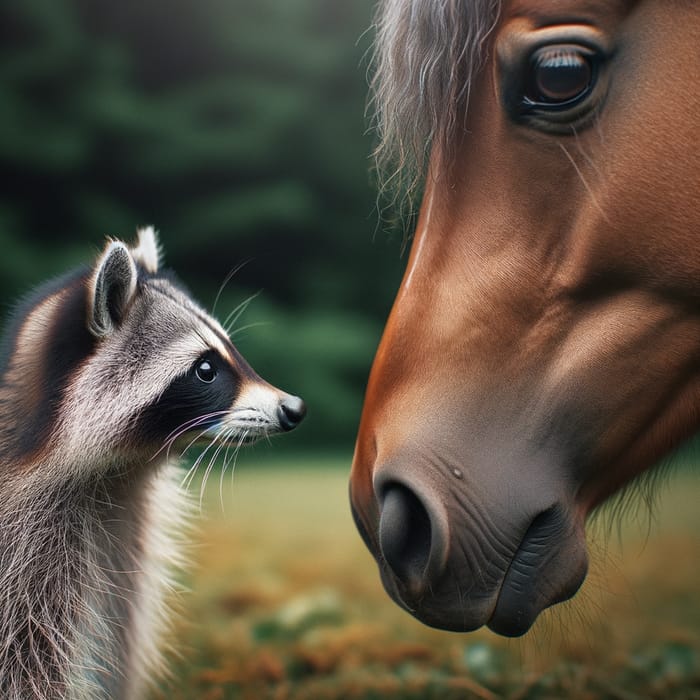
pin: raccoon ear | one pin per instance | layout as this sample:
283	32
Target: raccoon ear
147	252
113	286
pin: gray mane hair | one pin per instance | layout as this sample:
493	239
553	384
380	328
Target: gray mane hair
426	53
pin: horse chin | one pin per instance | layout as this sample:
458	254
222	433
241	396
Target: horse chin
442	608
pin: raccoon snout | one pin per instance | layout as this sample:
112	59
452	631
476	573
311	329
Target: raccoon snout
290	412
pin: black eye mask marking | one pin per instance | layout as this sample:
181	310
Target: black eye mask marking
193	402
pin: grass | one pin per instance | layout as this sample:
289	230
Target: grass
285	603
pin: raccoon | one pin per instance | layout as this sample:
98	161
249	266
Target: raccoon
107	374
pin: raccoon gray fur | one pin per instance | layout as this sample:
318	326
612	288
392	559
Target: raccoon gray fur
104	371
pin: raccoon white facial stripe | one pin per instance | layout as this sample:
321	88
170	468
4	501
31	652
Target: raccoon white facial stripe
215	343
258	397
181	353
253	415
210	327
217	326
255	409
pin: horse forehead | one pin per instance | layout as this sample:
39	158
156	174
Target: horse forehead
545	12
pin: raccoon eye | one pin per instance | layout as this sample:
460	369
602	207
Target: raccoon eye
205	371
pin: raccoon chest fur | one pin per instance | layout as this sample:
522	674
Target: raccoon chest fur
84	573
107	376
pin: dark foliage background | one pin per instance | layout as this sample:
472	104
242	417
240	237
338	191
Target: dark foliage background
237	128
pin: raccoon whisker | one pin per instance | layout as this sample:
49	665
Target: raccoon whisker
181	430
236	452
231	319
185	427
221	437
187	481
189	476
226	435
266	435
232	273
234	334
210	466
232	461
200	434
234	457
227	460
195	439
221	476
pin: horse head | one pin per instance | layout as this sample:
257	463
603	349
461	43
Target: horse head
544	346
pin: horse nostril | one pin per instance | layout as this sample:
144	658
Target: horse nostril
291	412
405	536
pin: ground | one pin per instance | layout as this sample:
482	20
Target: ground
285	603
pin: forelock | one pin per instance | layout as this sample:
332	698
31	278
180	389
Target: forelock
425	57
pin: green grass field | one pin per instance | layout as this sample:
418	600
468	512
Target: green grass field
284	603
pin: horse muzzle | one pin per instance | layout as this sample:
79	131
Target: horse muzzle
458	560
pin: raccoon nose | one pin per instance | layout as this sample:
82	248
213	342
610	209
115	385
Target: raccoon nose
291	412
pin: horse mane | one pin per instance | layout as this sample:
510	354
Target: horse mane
426	53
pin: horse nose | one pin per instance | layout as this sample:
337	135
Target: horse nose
290	412
409	539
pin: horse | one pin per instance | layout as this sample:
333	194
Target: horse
543	349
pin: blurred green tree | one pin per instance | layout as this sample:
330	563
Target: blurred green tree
237	128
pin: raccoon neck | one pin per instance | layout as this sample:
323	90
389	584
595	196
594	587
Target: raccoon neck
80	564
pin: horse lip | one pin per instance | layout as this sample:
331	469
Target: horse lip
519	601
513	613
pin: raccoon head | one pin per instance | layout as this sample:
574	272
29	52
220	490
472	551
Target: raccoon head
161	373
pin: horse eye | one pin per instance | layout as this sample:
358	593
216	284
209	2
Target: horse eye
205	372
559	76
